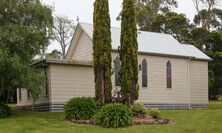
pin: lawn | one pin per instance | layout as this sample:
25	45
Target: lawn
187	121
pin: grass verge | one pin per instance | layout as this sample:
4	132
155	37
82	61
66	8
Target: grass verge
187	121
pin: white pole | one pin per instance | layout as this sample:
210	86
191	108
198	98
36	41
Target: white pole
188	82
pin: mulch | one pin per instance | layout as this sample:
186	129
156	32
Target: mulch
147	120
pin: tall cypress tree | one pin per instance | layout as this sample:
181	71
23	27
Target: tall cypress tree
102	51
128	53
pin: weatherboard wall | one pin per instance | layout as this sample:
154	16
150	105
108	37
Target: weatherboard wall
199	82
83	51
68	81
157	91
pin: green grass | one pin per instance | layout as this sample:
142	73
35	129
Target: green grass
187	121
220	98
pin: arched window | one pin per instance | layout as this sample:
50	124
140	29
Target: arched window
169	75
144	73
117	69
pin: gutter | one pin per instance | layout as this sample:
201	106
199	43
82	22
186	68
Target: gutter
170	56
39	62
45	62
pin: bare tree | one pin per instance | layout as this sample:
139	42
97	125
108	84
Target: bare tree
63	32
207	16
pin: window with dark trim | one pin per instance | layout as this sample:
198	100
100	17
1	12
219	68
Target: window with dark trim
169	75
117	69
20	94
144	73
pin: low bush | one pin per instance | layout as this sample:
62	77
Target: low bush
81	108
139	110
114	115
5	110
155	113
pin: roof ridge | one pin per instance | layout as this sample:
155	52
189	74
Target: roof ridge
137	30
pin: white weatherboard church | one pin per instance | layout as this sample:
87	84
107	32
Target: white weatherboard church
172	76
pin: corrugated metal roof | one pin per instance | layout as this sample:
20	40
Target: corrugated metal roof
44	62
151	42
195	52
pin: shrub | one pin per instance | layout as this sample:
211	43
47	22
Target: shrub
114	115
139	110
155	113
5	110
81	108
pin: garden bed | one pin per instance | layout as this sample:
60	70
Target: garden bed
151	121
148	120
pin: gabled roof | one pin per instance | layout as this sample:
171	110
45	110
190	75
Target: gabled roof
195	52
153	43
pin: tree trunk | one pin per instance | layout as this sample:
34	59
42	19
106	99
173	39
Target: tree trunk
205	25
8	97
133	92
129	99
2	88
63	52
102	83
63	48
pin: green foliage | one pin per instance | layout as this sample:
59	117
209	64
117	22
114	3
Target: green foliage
114	116
81	108
172	23
215	75
209	18
102	51
55	54
33	81
139	109
147	11
210	43
25	30
154	112
5	110
200	37
7	76
25	27
128	53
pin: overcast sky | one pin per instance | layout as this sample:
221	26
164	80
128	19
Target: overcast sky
84	9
